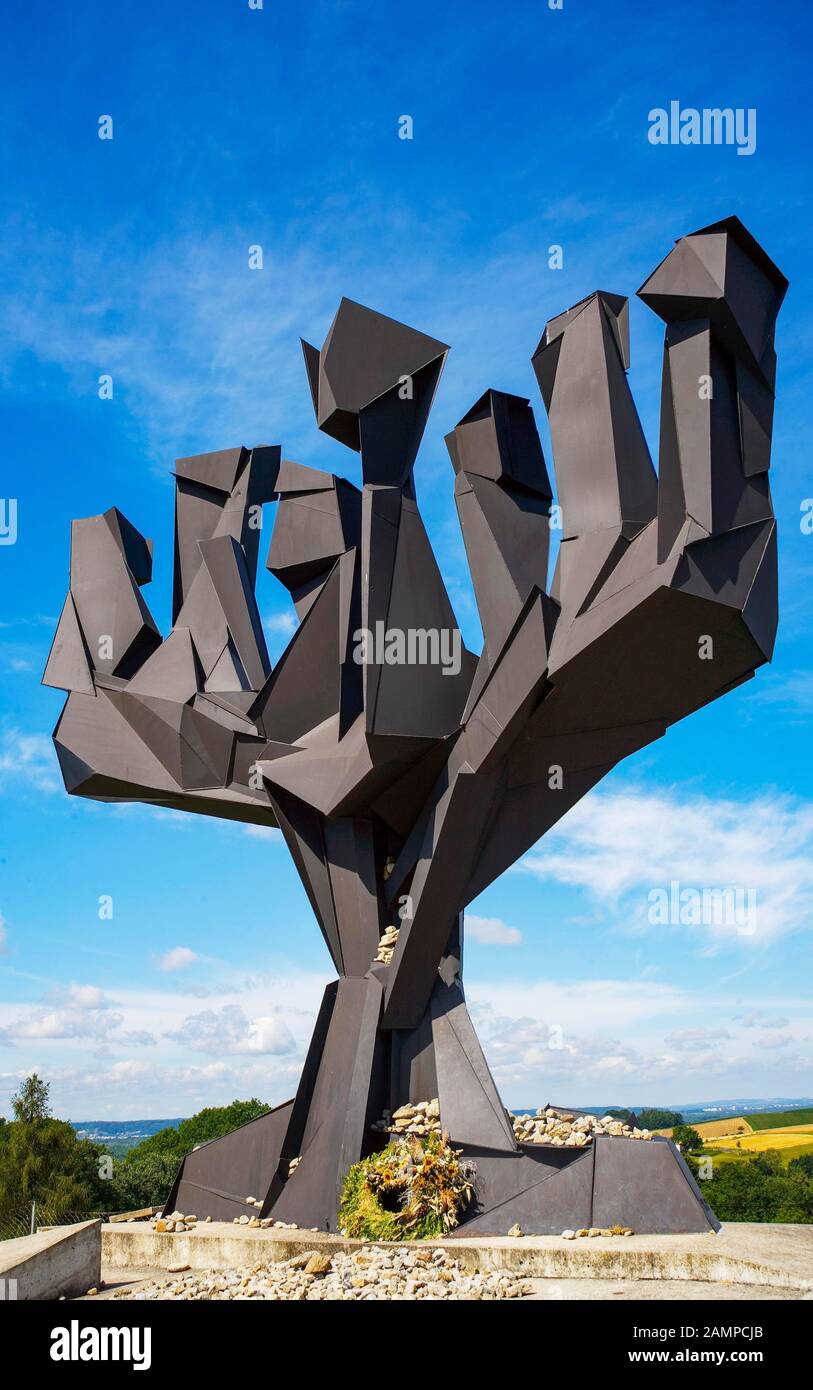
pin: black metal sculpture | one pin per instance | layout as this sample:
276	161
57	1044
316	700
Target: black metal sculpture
404	773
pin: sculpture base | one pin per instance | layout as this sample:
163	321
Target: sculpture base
644	1185
355	1069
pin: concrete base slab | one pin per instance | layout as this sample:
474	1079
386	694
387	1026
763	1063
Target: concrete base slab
742	1253
62	1260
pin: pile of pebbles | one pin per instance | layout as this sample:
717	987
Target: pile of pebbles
563	1129
177	1222
386	946
598	1231
374	1273
423	1117
265	1223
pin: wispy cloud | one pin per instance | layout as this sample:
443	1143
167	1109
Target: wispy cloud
280	622
619	847
491	931
230	1030
76	1012
789	693
696	1039
204	351
574	1041
179	958
28	760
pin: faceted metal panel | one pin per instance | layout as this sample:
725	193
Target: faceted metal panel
646	1185
216	1178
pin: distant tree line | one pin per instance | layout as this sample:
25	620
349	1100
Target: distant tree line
648	1118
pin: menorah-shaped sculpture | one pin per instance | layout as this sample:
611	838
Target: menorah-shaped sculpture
404	784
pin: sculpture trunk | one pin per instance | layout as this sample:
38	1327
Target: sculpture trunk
356	1069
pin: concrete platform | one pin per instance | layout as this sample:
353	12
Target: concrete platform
764	1256
62	1260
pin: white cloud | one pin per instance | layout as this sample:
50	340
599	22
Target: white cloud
28	759
280	622
621	846
754	1018
566	1041
607	1005
127	1071
80	997
491	931
191	300
607	1041
139	1038
76	1014
179	958
63	1024
230	1031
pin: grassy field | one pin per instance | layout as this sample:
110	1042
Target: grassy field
781	1119
740	1155
740	1126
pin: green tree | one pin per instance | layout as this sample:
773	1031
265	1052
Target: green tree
653	1118
32	1100
42	1160
760	1189
803	1164
688	1138
142	1180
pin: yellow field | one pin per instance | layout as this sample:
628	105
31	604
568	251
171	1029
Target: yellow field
763	1139
713	1129
735	1138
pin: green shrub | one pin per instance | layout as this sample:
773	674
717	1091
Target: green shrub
143	1181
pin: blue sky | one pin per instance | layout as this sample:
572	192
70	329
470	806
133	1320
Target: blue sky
236	127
